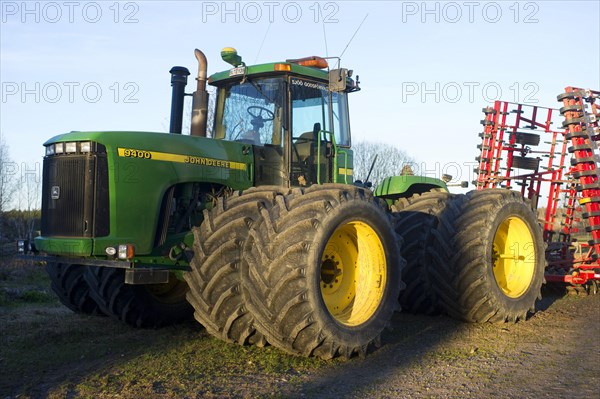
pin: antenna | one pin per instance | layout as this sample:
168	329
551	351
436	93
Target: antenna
325	37
355	32
263	42
372	166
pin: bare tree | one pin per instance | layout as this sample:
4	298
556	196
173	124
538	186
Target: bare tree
29	189
8	171
391	161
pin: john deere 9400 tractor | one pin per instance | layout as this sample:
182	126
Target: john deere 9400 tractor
261	230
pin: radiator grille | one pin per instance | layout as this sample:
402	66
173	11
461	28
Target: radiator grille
75	195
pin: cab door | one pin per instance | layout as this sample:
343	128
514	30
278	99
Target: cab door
319	128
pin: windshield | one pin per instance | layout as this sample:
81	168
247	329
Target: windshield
251	112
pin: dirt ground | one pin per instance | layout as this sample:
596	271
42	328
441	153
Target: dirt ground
46	351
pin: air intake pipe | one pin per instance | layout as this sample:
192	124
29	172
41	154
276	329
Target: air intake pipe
200	98
178	82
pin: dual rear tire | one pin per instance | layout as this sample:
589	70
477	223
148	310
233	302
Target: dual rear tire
489	257
318	272
321	272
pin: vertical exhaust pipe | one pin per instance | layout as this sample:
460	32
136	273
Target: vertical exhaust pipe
178	82
200	97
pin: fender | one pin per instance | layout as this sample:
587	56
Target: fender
394	187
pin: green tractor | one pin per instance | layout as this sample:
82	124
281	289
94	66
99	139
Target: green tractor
261	231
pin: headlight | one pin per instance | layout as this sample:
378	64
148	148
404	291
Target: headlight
71	147
125	251
86	146
23	246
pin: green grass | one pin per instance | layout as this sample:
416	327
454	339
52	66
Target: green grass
23	282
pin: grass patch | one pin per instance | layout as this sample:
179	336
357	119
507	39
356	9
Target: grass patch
37	297
48	351
23	282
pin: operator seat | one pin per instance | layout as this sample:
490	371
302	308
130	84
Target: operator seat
306	143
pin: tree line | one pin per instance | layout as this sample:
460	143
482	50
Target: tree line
19	203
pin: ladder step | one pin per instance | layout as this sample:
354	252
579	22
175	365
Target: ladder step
591	186
576	161
591	214
573	121
594	242
581	173
583	133
570	108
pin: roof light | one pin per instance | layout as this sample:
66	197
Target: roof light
314	62
282	67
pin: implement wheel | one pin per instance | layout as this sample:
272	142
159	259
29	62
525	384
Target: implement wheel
321	272
214	280
495	261
69	285
146	306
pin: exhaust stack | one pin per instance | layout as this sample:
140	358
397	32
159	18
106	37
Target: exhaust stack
200	98
178	82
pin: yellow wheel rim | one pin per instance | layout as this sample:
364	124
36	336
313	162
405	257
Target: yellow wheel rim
353	273
514	257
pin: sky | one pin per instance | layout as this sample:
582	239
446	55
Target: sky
426	68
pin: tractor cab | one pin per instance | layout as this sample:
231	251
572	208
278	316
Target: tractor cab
292	115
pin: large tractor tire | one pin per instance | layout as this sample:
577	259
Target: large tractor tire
321	271
69	285
144	306
414	219
490	257
214	280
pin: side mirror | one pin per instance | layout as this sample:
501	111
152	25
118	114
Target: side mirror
338	79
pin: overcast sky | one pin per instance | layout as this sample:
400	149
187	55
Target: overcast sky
426	68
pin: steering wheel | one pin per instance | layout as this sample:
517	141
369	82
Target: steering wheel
258	114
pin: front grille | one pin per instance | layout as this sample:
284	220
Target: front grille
75	199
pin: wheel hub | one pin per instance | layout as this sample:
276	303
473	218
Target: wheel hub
330	271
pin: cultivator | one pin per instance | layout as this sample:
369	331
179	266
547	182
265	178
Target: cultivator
551	154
